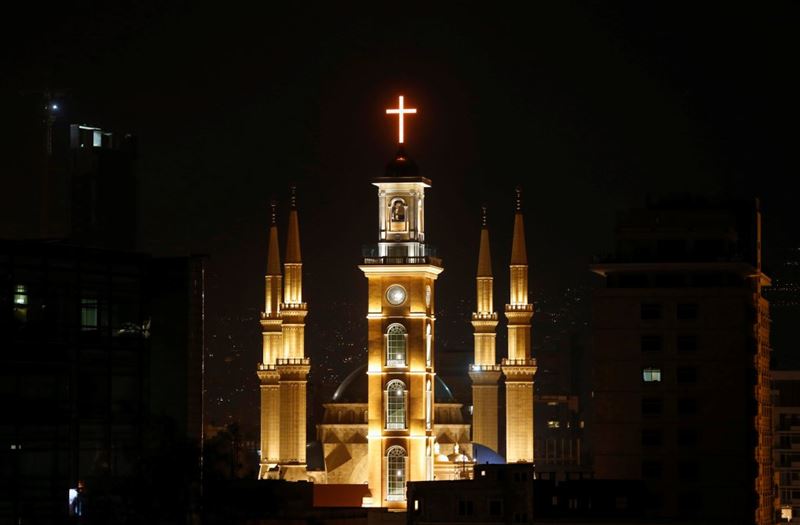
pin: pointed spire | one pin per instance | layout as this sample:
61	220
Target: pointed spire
273	252
519	254
484	255
293	235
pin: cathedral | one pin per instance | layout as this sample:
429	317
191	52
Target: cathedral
393	419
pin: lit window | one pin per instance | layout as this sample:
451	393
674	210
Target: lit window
428	339
97	138
651	375
395	405
396	345
21	295
89	314
428	405
21	303
553	423
396	474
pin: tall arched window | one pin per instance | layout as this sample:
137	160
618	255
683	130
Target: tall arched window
428	341
428	405
395	405
396	473
396	345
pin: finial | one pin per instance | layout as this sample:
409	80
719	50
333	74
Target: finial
518	203
484	222
293	196
274	213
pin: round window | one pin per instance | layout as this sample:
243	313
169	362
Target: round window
396	294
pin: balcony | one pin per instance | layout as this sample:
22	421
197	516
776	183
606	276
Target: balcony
293	361
484	368
409	253
519	362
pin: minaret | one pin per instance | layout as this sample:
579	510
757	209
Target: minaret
401	272
484	372
293	365
519	368
272	348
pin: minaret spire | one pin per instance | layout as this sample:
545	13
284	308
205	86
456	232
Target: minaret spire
293	237
484	371
519	253
272	349
519	368
484	257
273	253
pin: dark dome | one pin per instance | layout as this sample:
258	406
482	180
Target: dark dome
483	455
402	165
354	388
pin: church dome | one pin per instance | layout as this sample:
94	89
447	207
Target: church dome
354	388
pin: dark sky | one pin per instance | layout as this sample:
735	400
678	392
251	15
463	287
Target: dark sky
590	108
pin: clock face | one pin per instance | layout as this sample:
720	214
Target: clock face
396	294
428	296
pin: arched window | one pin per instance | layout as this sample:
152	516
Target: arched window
396	473
428	405
428	342
395	396
396	345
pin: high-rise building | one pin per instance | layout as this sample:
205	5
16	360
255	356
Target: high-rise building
680	357
786	444
101	379
102	187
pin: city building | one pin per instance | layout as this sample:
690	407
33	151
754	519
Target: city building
77	181
786	443
102	187
680	357
516	493
101	373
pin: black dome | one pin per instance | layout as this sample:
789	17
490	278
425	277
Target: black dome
402	165
354	388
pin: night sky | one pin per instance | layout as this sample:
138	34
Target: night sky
590	108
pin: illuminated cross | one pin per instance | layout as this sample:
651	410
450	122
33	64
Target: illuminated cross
400	111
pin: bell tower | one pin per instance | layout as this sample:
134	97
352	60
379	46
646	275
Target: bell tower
401	271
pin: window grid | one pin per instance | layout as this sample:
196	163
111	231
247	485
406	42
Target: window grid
396	346
89	314
396	474
651	375
396	405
